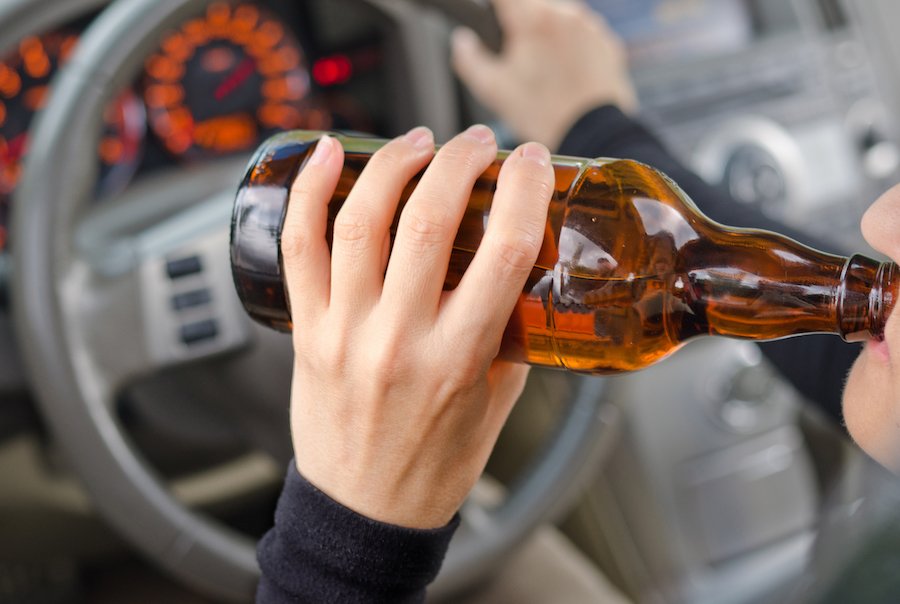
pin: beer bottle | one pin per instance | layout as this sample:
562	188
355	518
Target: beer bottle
629	269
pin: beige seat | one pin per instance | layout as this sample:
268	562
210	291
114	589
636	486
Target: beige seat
548	569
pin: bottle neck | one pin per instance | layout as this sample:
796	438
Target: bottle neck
763	286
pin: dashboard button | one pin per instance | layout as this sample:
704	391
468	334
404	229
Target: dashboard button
199	331
183	267
197	297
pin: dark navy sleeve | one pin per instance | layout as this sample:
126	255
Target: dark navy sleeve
816	365
320	551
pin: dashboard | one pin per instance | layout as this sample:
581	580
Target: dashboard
665	31
653	29
217	86
776	101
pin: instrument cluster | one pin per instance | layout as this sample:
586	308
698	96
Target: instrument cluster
216	86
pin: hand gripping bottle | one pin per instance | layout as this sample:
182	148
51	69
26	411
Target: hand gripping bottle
629	270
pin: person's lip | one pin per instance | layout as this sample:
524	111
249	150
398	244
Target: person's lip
880	349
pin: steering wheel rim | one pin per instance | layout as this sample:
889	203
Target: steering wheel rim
47	281
19	18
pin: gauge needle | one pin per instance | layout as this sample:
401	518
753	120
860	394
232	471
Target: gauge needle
235	79
15	148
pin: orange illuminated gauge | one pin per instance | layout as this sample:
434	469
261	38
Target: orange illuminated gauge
24	77
226	80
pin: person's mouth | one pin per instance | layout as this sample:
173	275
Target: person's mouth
880	349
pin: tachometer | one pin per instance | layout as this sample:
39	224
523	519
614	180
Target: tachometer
227	79
24	78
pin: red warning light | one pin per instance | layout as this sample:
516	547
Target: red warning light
333	70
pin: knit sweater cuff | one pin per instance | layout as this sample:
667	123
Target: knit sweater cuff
317	544
607	128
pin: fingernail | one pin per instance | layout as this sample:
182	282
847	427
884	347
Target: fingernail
420	138
464	38
322	152
481	133
536	152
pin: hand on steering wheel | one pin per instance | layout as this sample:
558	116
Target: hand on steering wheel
559	60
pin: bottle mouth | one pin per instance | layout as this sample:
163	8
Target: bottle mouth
883	298
867	295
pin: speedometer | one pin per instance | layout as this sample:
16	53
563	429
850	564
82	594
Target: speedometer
226	80
25	76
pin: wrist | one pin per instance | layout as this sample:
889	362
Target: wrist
556	125
413	504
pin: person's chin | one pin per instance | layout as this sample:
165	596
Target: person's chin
872	407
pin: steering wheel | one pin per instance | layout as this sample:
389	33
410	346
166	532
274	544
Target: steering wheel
91	306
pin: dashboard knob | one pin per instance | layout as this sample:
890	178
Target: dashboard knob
757	160
753	176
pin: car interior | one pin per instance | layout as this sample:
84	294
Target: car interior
144	417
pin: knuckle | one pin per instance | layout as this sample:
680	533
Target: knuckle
462	154
570	13
539	13
389	360
302	188
423	228
388	157
332	354
295	243
353	227
538	184
548	18
516	254
469	370
542	188
584	12
546	28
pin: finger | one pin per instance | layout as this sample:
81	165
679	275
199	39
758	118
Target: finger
304	251
429	222
475	64
510	246
362	225
599	21
514	15
575	7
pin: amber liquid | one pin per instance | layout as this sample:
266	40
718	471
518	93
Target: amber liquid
629	269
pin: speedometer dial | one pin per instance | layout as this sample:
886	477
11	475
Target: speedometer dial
25	75
226	80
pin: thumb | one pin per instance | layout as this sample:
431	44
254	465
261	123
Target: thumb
474	63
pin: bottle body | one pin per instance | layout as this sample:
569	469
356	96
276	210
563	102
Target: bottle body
628	271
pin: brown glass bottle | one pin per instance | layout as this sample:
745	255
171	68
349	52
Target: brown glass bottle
629	269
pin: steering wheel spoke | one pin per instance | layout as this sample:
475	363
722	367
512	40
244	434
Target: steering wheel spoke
150	286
